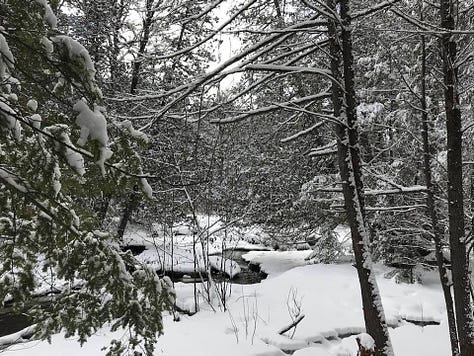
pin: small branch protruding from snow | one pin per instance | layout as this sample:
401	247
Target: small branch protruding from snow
292	325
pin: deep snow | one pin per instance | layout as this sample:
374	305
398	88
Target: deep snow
327	295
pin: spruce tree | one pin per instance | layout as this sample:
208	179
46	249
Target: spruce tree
57	150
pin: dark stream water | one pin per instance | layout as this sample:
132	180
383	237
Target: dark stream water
249	273
11	323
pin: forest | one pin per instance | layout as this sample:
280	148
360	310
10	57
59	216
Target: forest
260	177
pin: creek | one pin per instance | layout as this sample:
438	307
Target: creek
250	273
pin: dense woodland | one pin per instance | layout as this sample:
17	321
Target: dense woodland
322	112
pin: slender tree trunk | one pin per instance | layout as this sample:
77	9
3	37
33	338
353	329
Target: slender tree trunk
130	206
430	203
351	175
278	10
102	207
147	22
459	260
114	39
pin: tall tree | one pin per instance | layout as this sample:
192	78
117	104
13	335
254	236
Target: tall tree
430	200
459	257
344	101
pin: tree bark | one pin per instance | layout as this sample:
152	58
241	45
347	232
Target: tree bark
118	11
147	22
459	260
130	206
349	161
430	203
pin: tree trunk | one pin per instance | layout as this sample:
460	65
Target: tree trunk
130	206
430	203
118	11
147	22
459	260
351	176
101	206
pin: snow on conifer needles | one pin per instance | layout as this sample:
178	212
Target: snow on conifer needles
50	242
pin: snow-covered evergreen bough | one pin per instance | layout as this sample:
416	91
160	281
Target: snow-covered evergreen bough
57	150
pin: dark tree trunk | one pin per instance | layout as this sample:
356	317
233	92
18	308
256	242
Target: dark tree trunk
147	22
459	260
351	175
130	206
114	40
430	203
101	206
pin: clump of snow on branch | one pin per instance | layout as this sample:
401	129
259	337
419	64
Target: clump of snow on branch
6	57
94	126
146	188
366	341
78	52
56	180
59	85
11	180
32	104
74	158
35	120
367	112
127	125
48	16
8	116
48	45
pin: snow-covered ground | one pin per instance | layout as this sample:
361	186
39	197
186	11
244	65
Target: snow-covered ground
327	295
185	249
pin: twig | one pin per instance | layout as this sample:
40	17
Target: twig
292	325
